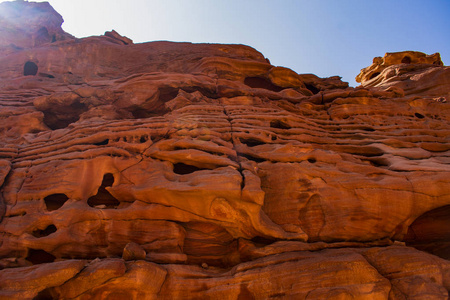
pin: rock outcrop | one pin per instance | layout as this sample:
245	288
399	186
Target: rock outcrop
194	171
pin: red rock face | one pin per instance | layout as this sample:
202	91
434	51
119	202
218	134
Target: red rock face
177	170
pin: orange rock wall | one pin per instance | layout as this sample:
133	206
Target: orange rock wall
185	171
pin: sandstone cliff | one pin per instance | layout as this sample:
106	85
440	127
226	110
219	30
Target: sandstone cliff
200	171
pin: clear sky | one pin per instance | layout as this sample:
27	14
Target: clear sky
324	37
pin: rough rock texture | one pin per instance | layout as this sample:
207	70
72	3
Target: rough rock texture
415	73
200	171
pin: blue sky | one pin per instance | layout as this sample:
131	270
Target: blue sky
324	37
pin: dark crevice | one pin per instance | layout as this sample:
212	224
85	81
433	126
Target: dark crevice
44	232
103	198
374	75
167	93
183	169
378	162
430	232
313	89
46	75
141	113
369	129
261	241
55	201
208	93
420	116
262	83
42	36
251	142
45	295
38	256
61	116
406	60
366	151
30	69
251	157
102	143
312	160
279	124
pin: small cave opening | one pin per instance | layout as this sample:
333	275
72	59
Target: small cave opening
420	116
430	232
279	124
262	241
30	69
406	60
374	75
378	162
45	295
42	36
102	143
103	198
61	116
167	93
142	113
313	89
262	83
183	169
44	232
55	201
143	139
312	160
251	142
38	256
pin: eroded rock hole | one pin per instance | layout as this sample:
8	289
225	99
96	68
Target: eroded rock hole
61	116
102	143
251	142
44	232
103	198
312	160
42	36
374	75
45	295
378	162
312	88
183	169
430	232
406	60
30	69
168	93
420	116
262	83
55	201
262	241
140	113
143	139
38	256
279	124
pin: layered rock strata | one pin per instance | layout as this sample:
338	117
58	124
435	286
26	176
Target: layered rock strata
184	171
